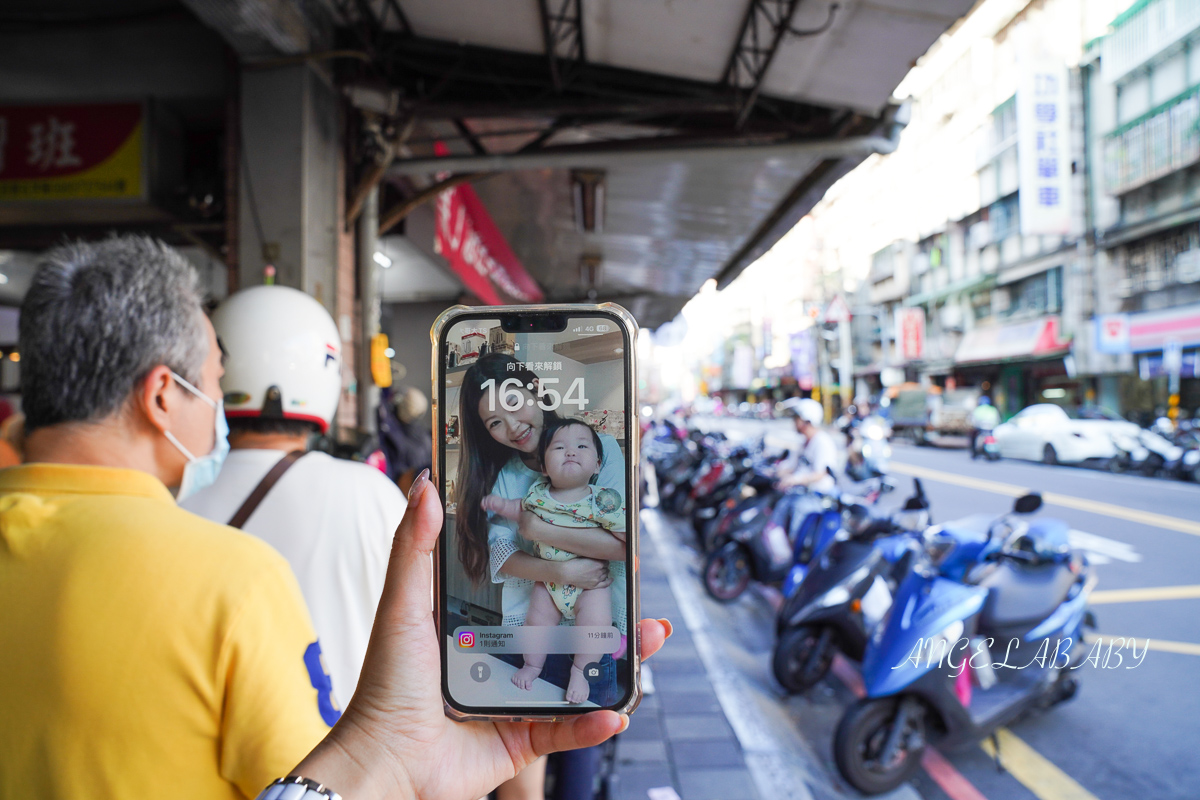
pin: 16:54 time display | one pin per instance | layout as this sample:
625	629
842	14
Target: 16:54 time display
511	398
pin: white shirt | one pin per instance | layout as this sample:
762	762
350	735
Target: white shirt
333	520
820	452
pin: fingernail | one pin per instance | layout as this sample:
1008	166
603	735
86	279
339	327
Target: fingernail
624	723
418	486
666	623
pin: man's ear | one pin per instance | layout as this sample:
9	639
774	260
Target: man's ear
155	399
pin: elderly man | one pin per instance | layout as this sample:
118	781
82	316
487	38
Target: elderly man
150	653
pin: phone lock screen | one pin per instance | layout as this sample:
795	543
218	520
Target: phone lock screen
536	466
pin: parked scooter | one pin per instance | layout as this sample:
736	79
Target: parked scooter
770	538
971	600
848	589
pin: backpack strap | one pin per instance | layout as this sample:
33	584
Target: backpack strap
269	480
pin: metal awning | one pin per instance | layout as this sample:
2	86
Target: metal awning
711	126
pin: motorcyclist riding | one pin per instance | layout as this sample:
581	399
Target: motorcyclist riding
984	419
820	451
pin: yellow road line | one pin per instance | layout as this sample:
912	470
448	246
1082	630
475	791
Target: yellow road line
1140	595
1037	773
1159	645
1053	498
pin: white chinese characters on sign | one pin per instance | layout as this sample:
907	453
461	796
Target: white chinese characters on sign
52	144
1043	154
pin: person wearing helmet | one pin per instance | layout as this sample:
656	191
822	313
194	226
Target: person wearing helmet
984	419
820	452
331	519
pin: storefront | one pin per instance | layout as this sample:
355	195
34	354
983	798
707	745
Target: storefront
1161	342
1019	364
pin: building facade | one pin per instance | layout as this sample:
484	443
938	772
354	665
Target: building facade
1143	93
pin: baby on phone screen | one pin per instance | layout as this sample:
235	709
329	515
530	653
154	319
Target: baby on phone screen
571	454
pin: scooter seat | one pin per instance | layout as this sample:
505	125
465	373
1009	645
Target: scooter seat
1021	594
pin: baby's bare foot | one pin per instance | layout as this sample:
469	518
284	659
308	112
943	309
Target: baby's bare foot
578	688
525	676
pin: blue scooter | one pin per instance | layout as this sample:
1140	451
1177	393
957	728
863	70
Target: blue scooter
981	631
835	599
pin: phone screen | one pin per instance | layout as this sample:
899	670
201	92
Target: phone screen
536	475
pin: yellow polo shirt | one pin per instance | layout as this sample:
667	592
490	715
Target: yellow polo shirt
147	652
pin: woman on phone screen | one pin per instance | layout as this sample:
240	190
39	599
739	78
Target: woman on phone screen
500	457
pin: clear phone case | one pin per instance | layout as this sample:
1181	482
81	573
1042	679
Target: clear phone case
440	326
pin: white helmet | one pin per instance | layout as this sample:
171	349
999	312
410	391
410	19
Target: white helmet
283	356
806	409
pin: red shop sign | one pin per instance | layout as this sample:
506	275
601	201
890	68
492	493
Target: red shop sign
71	152
468	238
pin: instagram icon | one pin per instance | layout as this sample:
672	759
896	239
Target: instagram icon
466	639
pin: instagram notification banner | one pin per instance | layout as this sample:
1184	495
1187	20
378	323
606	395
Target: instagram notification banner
598	639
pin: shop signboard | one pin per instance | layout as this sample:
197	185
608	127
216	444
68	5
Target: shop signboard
1152	330
1152	366
467	237
804	353
910	333
93	151
1043	145
1112	333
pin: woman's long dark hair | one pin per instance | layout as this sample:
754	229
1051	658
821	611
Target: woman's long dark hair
481	457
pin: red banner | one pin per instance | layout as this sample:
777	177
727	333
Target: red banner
468	238
910	333
71	151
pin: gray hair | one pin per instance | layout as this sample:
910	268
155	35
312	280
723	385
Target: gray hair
97	318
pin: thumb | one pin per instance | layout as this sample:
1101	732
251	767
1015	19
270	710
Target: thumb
406	590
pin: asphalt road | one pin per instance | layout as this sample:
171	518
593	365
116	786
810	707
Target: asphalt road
1130	732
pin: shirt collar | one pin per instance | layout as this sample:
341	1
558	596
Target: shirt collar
82	479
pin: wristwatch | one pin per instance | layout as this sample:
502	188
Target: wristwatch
294	787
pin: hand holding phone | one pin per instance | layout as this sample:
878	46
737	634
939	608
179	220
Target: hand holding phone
536	430
394	739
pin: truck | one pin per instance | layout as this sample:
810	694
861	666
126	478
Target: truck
927	413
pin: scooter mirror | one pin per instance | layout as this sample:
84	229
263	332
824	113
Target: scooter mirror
1027	504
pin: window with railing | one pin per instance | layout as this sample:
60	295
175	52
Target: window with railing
1156	263
1156	144
1036	295
1143	31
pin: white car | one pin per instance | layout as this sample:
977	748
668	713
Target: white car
1045	432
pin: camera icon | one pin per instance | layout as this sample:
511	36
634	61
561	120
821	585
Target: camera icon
466	639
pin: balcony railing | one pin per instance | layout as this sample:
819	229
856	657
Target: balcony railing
1157	144
1145	30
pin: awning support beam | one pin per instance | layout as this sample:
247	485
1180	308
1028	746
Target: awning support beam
562	33
645	151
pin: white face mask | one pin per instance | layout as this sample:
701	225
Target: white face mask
202	471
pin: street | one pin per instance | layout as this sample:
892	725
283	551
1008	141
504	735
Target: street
1130	732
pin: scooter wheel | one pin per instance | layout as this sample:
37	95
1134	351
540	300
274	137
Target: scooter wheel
994	456
727	572
802	657
860	741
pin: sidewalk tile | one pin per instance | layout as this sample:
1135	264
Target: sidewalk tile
690	727
706	755
641	751
644	726
717	784
634	780
689	702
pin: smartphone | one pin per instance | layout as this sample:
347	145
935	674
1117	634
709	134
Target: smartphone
535	456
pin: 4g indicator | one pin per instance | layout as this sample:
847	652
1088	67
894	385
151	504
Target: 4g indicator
512	399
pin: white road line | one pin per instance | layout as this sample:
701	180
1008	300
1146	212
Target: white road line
1101	549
